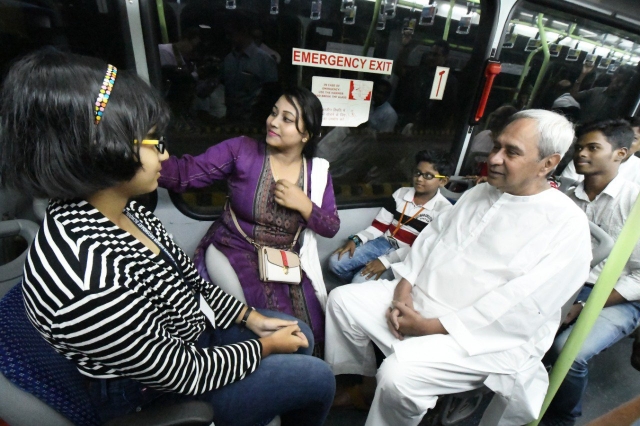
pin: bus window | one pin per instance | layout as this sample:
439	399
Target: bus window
589	75
92	28
223	69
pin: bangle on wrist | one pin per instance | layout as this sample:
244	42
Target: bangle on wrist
245	317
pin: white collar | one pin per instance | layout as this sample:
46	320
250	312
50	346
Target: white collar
612	189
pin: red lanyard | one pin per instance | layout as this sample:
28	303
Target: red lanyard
400	224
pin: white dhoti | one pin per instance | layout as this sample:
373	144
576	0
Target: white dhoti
419	369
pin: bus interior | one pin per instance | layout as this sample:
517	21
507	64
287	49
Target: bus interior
541	46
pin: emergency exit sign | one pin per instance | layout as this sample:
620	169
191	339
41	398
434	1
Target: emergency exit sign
340	61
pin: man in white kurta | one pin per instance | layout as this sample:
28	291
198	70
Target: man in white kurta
486	281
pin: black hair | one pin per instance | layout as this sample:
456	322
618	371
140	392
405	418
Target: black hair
634	121
311	116
190	34
617	132
500	117
384	83
444	45
49	144
625	71
440	160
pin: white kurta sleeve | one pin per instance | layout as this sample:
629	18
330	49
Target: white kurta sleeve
417	255
510	315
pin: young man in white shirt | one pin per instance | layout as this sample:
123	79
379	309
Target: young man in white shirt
630	165
607	198
369	253
477	301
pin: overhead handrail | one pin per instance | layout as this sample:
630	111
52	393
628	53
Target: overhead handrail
447	24
372	27
608	278
163	22
545	60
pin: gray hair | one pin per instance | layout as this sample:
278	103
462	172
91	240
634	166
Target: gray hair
555	132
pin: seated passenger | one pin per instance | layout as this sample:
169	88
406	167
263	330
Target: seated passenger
388	239
105	284
630	166
265	180
478	299
382	117
246	70
607	199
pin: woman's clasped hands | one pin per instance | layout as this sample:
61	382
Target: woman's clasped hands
277	336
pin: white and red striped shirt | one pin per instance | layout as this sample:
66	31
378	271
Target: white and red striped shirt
385	223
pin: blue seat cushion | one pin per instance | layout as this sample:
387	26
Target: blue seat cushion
28	361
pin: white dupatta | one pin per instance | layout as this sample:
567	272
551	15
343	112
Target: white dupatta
309	258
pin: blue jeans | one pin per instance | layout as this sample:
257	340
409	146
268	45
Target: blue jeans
349	267
613	323
297	387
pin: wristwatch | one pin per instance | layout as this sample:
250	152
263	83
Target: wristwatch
356	240
581	303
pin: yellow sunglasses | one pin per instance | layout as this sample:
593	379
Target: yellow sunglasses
160	144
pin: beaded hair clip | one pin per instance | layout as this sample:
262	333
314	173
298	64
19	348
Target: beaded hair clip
105	92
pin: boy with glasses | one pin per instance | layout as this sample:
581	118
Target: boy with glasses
372	251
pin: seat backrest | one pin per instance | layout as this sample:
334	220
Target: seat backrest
30	364
458	181
11	273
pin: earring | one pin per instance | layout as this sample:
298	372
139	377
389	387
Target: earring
304	140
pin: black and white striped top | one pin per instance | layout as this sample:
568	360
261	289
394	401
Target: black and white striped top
104	300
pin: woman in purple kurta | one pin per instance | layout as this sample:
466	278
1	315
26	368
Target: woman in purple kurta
246	166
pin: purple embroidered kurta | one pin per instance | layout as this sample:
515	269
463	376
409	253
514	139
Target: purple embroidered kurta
243	163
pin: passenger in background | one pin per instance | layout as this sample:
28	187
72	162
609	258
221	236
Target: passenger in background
265	181
434	113
565	104
180	54
482	143
382	117
246	70
388	240
607	198
105	284
478	299
258	40
601	103
630	166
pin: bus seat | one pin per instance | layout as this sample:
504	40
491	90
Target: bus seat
457	182
11	273
456	407
222	273
40	207
566	183
37	383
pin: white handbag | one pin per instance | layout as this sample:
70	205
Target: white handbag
275	265
279	265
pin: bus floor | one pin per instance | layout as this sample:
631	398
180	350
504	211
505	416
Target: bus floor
612	382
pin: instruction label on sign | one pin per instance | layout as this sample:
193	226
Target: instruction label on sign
439	83
345	102
340	61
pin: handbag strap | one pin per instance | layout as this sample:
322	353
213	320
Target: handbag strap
295	239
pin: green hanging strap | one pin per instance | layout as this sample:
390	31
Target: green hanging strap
606	281
162	21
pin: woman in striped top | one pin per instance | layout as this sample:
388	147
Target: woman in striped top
105	284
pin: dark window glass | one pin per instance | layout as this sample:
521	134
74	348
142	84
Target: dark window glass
223	68
590	74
